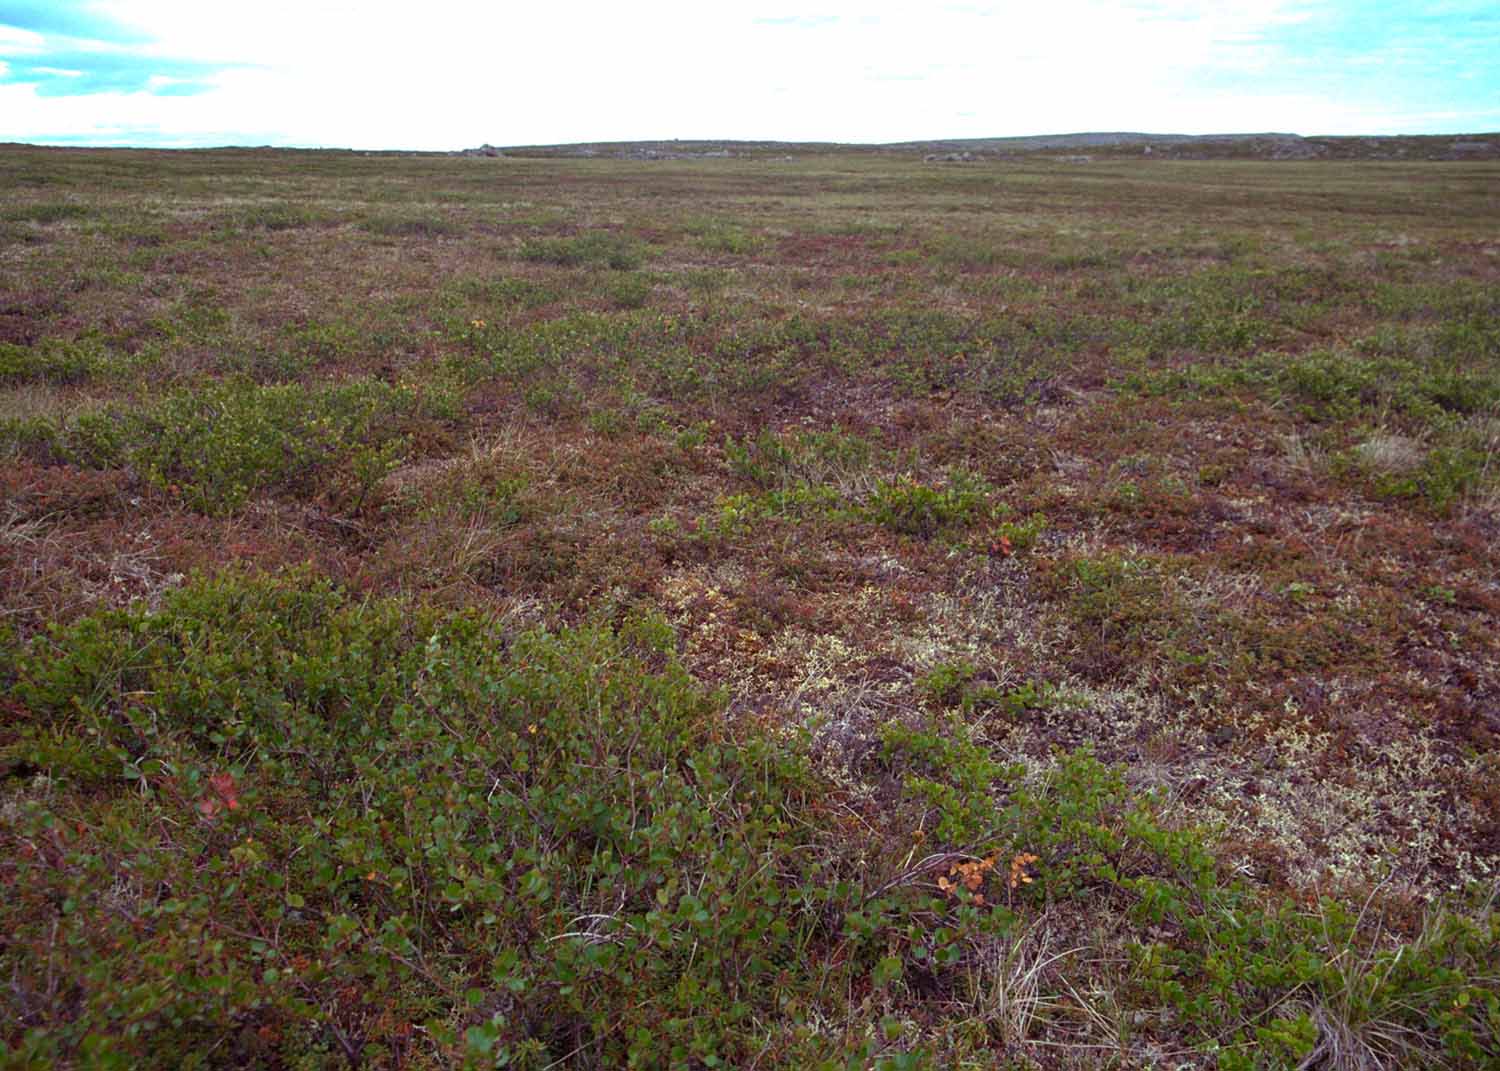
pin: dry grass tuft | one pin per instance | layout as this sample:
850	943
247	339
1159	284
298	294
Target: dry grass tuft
1007	983
1304	457
1392	453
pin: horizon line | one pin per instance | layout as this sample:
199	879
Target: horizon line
74	141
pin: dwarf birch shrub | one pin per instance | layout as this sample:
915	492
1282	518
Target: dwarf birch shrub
220	444
293	828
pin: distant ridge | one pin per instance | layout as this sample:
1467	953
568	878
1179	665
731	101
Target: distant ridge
1093	140
1267	146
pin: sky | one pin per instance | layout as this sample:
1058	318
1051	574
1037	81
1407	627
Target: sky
441	74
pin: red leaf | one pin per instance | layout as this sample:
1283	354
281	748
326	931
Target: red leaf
226	790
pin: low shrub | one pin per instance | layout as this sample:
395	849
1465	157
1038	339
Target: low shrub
47	212
913	508
61	362
629	291
224	442
726	238
1331	385
1444	476
418	226
277	216
281	826
833	457
529	845
599	249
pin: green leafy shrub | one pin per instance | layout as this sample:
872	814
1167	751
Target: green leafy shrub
61	361
727	238
93	437
1222	310
1330	385
732	516
1115	594
96	438
629	291
1445	475
226	441
966	253
523	843
956	683
35	437
48	212
277	216
412	226
312	829
946	682
835	457
316	342
600	249
1021	535
913	508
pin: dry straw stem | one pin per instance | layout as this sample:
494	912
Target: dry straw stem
1359	1024
1006	980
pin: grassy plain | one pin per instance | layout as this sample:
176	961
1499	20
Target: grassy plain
832	612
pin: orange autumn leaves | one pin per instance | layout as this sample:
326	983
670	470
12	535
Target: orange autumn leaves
971	874
1021	869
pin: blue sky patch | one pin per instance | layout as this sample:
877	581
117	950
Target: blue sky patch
1381	54
80	72
67	19
83	53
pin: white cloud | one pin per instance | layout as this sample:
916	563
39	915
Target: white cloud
447	73
17	42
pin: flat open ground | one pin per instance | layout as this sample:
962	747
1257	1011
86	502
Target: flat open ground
839	611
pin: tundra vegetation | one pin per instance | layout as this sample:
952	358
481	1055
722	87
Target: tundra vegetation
817	613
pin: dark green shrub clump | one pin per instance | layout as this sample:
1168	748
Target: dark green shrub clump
48	212
527	844
282	827
220	444
224	442
422	226
598	249
917	509
276	216
54	362
60	361
772	461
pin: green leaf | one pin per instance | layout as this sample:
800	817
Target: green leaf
886	971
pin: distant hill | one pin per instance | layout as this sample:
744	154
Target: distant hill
1097	140
1263	146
